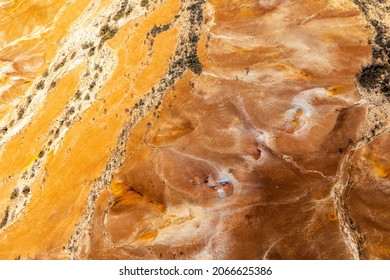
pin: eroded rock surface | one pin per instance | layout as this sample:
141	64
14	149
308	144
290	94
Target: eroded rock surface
195	129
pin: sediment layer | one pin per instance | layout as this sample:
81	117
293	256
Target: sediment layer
195	129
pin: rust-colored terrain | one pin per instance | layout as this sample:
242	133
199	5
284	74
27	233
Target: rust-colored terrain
194	129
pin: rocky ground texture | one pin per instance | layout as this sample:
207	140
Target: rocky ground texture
199	129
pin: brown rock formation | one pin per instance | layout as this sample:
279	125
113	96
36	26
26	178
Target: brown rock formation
196	129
